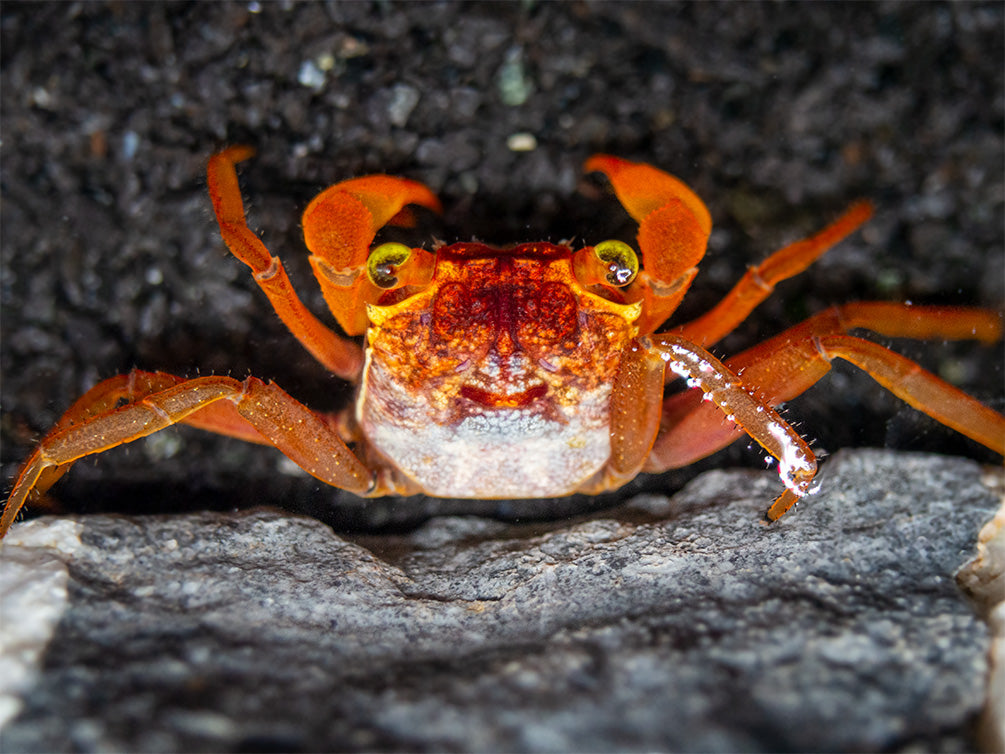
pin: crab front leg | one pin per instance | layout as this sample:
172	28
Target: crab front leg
339	225
635	410
674	226
253	410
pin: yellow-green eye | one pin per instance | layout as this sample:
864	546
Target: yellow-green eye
620	260
383	263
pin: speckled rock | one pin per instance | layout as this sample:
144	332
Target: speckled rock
678	622
983	579
778	115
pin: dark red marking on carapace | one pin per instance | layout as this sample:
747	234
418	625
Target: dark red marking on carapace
502	400
510	299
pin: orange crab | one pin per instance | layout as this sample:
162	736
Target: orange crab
528	371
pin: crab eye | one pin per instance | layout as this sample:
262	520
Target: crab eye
620	261
383	263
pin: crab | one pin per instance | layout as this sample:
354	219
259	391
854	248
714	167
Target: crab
530	371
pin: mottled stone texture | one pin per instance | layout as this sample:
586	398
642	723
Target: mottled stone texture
653	625
681	623
778	115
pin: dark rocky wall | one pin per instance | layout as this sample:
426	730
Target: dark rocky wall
778	115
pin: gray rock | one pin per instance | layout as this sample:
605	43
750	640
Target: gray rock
983	579
664	624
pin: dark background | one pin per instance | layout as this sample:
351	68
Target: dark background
779	115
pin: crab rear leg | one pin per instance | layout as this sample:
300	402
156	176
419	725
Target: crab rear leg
758	282
221	417
790	363
251	410
101	398
674	226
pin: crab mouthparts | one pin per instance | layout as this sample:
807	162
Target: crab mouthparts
504	400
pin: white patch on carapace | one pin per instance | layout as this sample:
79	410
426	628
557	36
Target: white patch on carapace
486	452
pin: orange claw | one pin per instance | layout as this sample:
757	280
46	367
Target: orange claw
339	226
642	189
674	226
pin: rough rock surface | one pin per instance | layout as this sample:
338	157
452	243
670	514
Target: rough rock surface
983	579
778	115
680	623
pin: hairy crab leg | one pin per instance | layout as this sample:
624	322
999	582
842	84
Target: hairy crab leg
339	355
220	417
758	282
788	364
101	398
308	439
724	389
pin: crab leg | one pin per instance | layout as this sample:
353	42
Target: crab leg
102	398
635	408
158	400
758	282
674	226
220	417
339	355
339	226
724	390
788	364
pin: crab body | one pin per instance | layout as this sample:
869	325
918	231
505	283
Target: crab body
495	380
530	371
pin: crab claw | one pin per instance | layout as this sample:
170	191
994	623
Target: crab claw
339	226
674	226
